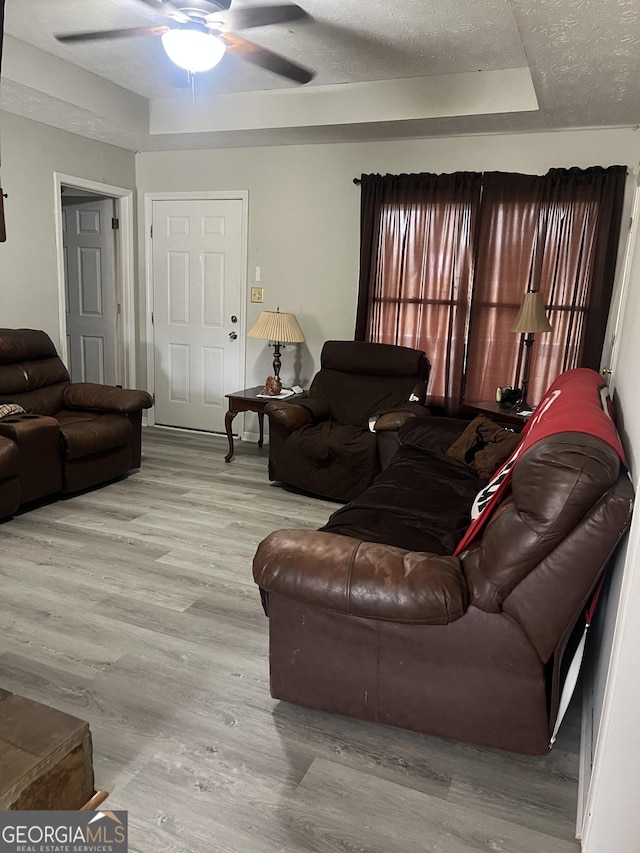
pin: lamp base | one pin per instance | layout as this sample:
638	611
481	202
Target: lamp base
277	363
522	405
523	408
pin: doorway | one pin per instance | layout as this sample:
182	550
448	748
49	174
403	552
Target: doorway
94	242
91	286
197	262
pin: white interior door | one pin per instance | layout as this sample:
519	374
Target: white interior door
90	290
198	259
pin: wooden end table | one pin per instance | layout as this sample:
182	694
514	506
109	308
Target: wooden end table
495	411
247	401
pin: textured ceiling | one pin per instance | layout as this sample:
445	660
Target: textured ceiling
583	57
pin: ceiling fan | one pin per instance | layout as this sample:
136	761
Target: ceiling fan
199	32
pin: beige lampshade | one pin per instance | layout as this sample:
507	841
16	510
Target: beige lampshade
277	327
531	316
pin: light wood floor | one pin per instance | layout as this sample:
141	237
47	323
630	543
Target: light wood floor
133	607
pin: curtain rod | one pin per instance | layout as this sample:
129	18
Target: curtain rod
358	181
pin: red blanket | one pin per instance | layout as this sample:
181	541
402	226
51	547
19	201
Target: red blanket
578	401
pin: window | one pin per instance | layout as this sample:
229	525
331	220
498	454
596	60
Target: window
445	261
420	269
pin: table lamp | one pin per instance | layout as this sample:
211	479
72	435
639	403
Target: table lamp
531	318
279	328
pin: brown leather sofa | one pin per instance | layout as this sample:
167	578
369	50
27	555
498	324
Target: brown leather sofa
372	616
71	435
323	442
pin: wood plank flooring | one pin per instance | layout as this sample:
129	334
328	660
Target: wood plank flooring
133	607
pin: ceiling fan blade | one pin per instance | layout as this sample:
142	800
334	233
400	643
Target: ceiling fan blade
266	58
112	34
155	4
166	8
258	16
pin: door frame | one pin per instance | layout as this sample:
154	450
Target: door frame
212	195
124	270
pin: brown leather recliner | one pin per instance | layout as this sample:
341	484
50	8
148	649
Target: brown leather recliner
72	435
9	477
469	648
322	443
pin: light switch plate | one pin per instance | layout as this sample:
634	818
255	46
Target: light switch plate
257	294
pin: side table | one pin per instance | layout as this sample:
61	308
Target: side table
495	411
247	401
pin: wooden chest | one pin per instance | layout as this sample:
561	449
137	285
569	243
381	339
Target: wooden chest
46	757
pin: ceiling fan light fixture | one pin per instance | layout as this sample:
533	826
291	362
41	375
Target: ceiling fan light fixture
193	48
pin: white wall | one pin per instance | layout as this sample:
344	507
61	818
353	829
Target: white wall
612	805
304	211
31	153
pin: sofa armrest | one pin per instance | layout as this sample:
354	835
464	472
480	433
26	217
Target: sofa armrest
359	578
91	395
293	416
289	415
394	418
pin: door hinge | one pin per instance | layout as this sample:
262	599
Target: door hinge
118	309
152	319
151	232
115	223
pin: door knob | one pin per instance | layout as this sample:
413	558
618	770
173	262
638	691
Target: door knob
233	335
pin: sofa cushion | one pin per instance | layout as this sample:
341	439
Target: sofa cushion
432	435
86	433
381	359
25	345
422	502
43	401
360	379
80	474
314	450
13	380
353	398
484	446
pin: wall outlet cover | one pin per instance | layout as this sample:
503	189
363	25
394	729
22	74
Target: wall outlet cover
257	294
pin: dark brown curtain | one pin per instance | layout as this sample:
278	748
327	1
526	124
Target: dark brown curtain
416	269
504	260
445	272
557	234
1	31
3	232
